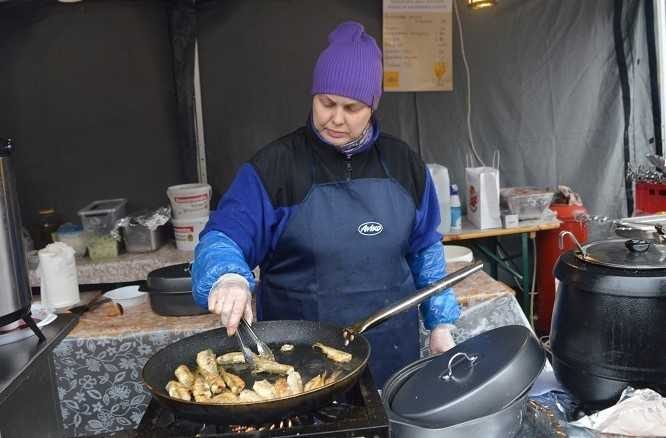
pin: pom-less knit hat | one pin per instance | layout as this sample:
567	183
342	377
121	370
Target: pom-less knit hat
351	65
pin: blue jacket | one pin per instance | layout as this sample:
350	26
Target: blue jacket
253	213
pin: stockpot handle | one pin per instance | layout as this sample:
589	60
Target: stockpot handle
572	236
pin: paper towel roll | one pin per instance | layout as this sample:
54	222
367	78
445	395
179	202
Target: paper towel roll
57	271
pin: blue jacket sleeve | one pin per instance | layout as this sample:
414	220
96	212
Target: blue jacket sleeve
426	260
216	254
246	215
429	266
237	237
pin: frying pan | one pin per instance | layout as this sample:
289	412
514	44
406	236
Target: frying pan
307	361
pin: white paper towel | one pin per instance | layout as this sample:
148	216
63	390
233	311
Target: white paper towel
59	281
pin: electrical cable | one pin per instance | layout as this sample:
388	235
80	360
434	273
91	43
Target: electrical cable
532	292
469	86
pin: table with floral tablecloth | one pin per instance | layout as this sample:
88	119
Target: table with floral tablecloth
98	365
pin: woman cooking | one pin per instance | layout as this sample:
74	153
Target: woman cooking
340	217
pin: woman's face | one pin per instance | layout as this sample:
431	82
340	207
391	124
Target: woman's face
339	119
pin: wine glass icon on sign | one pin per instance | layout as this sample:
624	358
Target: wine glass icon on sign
439	70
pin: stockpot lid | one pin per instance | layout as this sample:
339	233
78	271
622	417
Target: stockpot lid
476	378
624	254
171	279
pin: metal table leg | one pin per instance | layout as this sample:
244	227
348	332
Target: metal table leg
493	264
524	276
527	278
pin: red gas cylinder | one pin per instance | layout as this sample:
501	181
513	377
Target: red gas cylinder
548	251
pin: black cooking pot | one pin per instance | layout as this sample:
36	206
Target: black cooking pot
477	389
170	291
609	320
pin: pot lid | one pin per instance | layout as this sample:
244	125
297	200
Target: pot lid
625	254
475	378
175	278
651	228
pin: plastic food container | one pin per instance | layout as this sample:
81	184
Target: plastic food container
189	201
101	247
99	217
455	253
127	296
526	202
73	236
186	232
139	238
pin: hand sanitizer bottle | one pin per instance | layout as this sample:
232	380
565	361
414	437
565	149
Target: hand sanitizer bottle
456	211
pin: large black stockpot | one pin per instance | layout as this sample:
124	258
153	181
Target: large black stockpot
609	320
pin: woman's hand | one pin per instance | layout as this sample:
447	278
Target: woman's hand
441	339
231	298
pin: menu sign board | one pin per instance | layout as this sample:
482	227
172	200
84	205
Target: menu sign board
417	45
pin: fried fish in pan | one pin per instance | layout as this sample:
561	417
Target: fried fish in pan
332	353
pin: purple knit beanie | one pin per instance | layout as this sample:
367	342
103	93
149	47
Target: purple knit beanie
351	65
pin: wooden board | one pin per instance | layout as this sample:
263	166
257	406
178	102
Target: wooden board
469	231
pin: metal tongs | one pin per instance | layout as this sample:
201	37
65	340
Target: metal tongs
262	348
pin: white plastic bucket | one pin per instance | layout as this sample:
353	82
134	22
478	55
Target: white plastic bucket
189	201
187	232
453	253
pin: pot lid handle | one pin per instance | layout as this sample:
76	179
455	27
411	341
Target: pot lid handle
635	245
449	375
573	237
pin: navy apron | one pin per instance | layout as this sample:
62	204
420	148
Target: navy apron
342	257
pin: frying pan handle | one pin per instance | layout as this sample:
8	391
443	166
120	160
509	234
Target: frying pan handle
417	298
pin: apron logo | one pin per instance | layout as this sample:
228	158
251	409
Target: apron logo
370	228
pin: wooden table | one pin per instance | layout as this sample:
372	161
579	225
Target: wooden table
486	241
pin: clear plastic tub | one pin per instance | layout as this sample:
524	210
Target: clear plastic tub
526	202
99	217
101	247
73	236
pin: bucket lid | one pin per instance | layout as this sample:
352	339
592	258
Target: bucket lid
171	279
189	186
476	378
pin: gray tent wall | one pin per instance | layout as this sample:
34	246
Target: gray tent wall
87	92
544	78
98	94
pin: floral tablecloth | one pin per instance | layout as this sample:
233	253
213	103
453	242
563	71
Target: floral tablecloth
98	365
99	382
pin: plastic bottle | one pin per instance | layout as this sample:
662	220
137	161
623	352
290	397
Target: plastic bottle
440	178
456	211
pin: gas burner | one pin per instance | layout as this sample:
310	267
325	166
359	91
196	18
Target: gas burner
357	413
